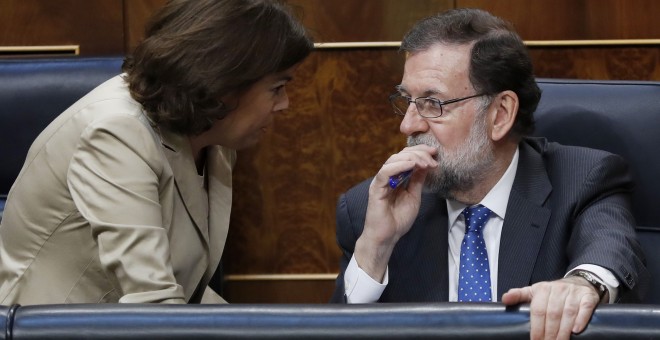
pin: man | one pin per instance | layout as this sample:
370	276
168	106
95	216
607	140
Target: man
557	229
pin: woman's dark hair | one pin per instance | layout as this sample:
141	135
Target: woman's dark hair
196	51
498	61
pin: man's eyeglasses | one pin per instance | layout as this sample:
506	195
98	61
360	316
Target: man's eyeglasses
427	107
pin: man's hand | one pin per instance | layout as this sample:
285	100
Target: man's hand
557	308
391	212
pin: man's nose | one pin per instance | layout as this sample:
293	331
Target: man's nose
413	122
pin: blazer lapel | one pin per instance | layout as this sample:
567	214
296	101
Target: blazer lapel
525	223
179	156
220	162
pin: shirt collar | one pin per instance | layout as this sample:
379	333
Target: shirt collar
497	198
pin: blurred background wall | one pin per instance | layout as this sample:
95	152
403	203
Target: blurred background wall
339	128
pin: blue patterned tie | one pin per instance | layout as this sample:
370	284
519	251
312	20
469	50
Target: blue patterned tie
474	272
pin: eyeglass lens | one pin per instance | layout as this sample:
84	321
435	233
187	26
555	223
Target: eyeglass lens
425	106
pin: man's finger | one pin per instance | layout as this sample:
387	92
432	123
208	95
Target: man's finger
517	295
568	318
583	316
537	312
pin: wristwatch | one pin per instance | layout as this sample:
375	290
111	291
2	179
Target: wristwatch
591	278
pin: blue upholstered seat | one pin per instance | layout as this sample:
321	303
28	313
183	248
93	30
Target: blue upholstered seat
622	117
32	93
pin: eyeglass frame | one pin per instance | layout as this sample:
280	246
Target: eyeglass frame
437	101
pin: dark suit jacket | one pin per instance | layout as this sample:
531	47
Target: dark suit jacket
568	206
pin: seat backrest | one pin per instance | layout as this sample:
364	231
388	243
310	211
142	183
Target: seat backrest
621	117
33	92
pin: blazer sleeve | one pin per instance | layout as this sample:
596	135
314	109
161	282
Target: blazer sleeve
114	182
350	215
604	228
346	243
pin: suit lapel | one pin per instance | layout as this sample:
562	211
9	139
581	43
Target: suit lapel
421	256
179	156
431	239
441	222
525	223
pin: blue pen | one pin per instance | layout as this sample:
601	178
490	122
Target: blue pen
399	179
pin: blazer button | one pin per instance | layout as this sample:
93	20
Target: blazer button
629	280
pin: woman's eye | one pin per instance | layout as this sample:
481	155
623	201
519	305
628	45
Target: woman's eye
278	89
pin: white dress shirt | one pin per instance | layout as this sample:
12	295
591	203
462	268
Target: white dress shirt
361	288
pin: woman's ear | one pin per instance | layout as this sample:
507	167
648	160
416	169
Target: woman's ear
504	114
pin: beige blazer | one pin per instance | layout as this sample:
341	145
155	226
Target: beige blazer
108	209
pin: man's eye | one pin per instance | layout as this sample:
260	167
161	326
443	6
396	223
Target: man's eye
432	103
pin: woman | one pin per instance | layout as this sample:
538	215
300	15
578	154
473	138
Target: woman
126	196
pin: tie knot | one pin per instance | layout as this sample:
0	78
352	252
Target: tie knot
475	218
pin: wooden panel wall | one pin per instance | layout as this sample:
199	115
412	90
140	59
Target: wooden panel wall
576	19
337	132
137	13
96	26
598	62
339	128
364	20
585	20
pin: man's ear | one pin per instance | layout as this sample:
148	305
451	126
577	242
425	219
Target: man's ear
502	116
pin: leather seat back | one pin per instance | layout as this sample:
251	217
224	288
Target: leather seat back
621	117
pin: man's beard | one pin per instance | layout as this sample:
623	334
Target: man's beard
458	170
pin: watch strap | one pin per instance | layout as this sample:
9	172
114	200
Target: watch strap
593	280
